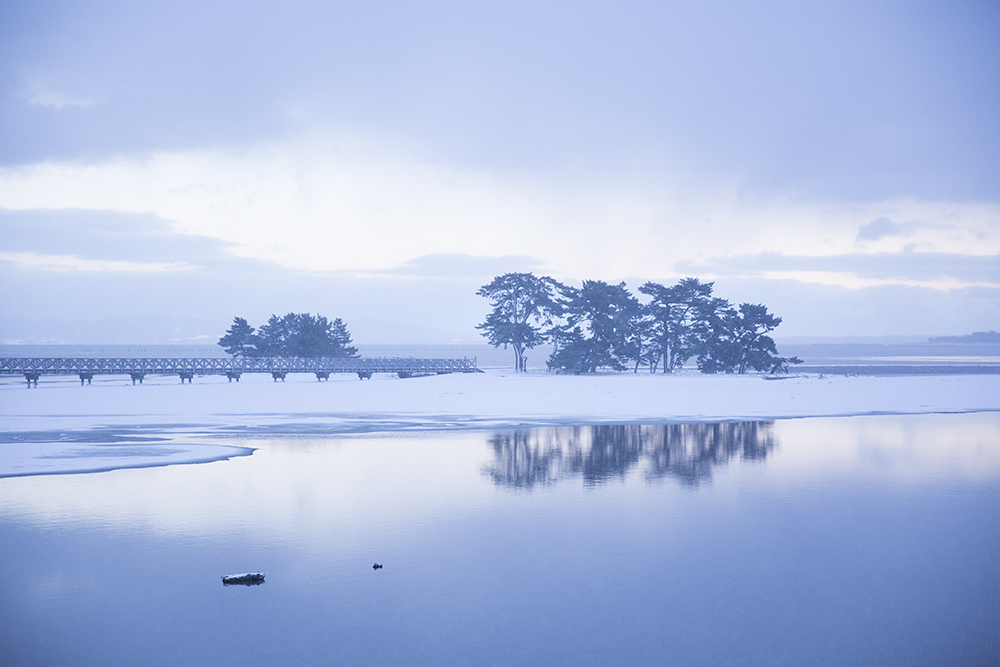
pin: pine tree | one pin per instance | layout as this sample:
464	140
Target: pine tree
600	329
306	336
273	338
735	341
341	337
675	312
239	340
522	305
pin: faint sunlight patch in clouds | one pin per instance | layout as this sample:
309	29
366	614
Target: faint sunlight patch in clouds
936	271
461	266
336	201
31	260
854	281
307	206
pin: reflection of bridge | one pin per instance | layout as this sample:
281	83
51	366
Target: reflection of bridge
187	368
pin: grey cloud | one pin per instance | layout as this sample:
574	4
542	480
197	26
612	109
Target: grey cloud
113	236
147	238
878	228
906	265
826	98
882	227
103	235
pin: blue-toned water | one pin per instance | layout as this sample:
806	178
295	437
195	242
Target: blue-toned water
850	541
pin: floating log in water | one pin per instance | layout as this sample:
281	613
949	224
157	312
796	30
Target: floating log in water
249	579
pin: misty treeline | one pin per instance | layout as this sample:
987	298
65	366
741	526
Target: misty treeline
604	326
295	335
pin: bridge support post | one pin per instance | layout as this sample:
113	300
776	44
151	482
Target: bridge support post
186	375
278	375
86	376
137	376
233	375
322	375
32	377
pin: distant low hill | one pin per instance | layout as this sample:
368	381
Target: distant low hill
978	337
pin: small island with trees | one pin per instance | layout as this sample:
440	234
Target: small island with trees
602	326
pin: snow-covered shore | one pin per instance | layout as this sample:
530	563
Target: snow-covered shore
488	400
483	399
20	459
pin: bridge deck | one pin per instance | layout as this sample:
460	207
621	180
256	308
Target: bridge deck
32	368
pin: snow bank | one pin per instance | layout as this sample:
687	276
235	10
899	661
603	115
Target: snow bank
493	399
19	459
346	403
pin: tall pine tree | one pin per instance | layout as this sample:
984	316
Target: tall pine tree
522	305
239	340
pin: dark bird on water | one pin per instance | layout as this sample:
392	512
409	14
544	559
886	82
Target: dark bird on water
377	566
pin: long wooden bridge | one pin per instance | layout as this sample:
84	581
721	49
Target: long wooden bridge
233	368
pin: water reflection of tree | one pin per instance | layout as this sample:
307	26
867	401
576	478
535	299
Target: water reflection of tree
688	452
524	460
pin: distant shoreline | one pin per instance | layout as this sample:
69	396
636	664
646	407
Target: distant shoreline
901	369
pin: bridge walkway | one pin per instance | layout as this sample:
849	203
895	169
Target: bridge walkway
188	367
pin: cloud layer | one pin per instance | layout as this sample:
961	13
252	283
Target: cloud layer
336	201
941	270
377	159
837	100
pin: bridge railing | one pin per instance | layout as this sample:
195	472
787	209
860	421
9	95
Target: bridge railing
222	366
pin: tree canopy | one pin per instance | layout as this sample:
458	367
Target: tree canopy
239	340
293	335
600	329
604	326
736	340
674	314
522	305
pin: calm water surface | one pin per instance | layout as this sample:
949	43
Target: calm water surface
850	541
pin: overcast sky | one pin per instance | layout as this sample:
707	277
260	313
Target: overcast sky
165	166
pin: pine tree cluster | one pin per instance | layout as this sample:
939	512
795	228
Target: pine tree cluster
294	335
604	326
